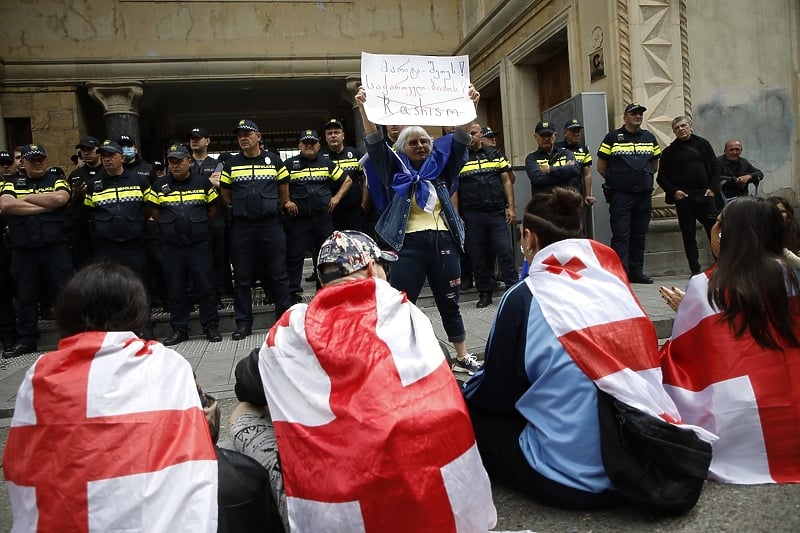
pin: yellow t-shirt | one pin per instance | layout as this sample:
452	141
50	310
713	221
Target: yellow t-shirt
420	220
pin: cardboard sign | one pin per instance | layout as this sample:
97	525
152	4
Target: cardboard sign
417	90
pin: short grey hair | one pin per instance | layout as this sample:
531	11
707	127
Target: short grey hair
411	131
682	118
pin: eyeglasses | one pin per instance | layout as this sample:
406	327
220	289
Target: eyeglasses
418	142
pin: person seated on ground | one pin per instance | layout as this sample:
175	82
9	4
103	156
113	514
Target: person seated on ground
244	499
108	432
534	405
350	399
733	362
737	173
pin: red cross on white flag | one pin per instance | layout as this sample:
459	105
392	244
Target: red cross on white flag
108	434
601	324
747	394
373	433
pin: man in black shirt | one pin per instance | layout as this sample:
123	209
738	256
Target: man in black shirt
689	175
81	237
736	172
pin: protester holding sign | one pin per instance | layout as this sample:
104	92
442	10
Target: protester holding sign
412	185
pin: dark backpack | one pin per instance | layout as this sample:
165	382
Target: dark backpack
649	461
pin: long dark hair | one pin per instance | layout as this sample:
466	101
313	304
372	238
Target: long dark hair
103	296
554	215
791	234
751	283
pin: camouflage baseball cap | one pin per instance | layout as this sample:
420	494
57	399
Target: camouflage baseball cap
350	251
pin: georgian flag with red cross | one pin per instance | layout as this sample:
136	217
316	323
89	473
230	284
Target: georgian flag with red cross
108	435
373	433
747	394
585	297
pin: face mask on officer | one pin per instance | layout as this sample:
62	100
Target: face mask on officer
128	151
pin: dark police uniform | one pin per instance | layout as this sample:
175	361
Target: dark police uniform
562	174
40	256
629	186
81	237
309	188
185	245
348	214
117	208
219	228
482	199
256	228
8	328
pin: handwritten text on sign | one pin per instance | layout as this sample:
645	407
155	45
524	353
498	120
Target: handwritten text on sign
422	90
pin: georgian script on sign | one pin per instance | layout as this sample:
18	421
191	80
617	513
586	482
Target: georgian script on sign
422	90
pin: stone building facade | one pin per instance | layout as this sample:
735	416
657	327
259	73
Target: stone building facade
157	69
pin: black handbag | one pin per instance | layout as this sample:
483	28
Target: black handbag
649	461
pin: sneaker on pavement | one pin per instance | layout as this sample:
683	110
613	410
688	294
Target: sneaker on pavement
469	364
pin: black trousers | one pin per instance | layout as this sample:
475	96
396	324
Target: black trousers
348	217
629	214
180	264
8	328
487	237
304	232
44	269
248	237
219	232
700	208
498	444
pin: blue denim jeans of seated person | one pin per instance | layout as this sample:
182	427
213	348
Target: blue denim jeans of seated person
432	255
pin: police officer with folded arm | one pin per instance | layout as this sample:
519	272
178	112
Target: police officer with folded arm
38	226
182	203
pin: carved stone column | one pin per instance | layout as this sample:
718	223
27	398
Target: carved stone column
120	101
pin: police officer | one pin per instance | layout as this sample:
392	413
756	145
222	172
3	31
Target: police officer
349	214
38	226
80	237
310	204
628	160
254	183
116	200
486	200
549	166
572	142
8	335
183	203
219	226
154	279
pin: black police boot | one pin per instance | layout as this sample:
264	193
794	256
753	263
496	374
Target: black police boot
241	333
18	350
213	334
484	300
177	337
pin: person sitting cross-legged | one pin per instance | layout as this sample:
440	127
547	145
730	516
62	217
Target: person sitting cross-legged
339	409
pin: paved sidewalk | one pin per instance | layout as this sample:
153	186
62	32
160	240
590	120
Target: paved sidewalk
214	362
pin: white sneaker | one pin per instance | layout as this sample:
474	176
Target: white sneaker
469	364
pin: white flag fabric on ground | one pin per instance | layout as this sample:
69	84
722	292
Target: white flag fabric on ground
585	297
108	435
373	433
748	395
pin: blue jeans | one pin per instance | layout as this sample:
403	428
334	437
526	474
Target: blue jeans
433	255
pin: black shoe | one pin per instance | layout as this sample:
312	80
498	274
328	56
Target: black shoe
484	300
213	334
297	297
177	337
18	349
640	278
311	277
466	284
241	333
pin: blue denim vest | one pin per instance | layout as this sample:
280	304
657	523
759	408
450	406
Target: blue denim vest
391	225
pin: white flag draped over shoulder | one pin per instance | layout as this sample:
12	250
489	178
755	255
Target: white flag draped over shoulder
584	295
373	433
747	394
108	435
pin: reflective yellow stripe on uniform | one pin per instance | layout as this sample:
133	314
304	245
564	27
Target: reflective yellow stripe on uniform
476	165
316	174
630	148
